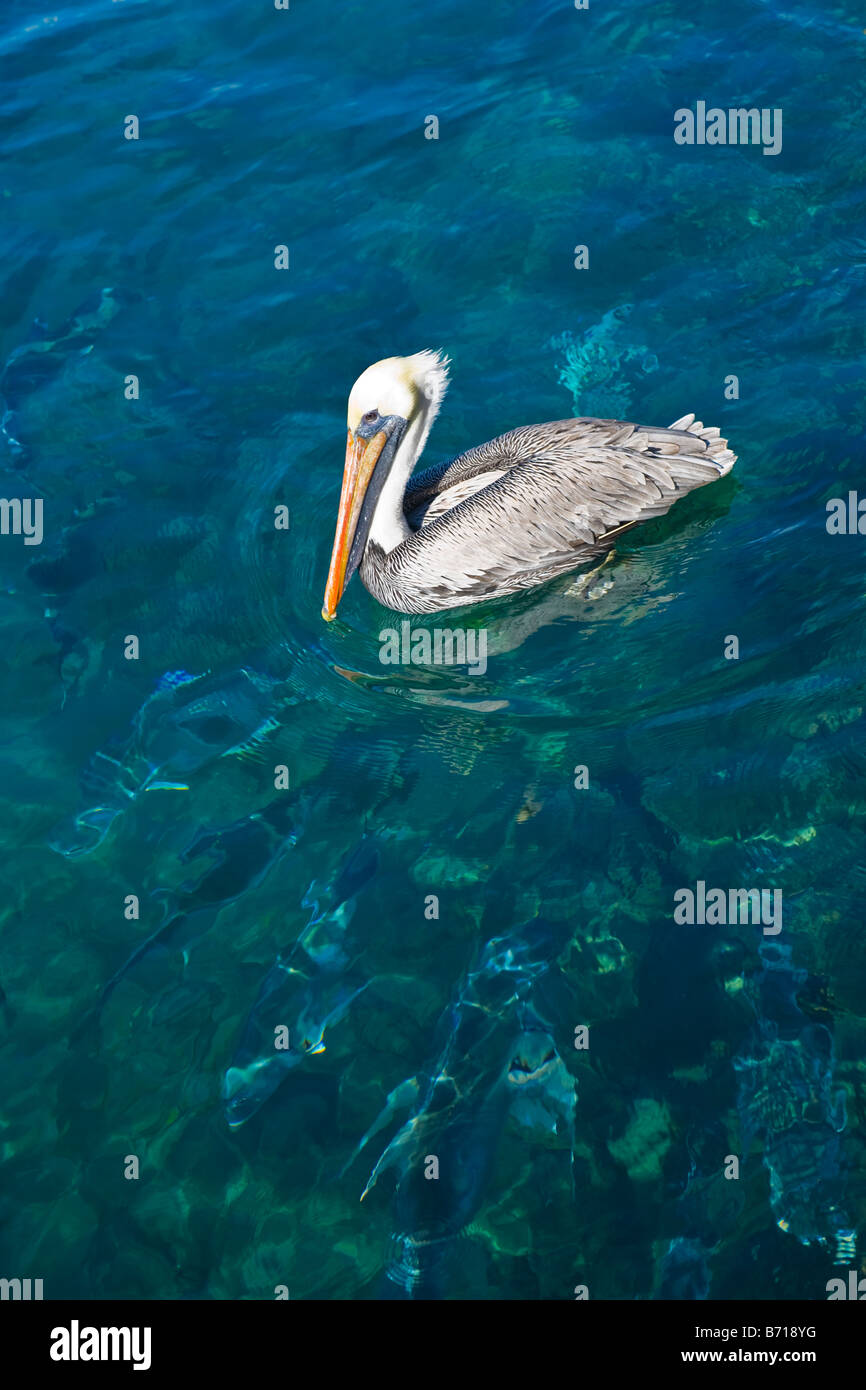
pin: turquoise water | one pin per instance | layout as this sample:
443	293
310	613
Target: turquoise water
155	258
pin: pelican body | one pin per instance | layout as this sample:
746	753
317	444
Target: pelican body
505	516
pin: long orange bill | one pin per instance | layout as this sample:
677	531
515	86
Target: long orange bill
362	456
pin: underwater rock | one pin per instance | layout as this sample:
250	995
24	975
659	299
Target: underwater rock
600	365
644	1145
786	1097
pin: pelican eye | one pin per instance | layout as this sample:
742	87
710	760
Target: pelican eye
370	417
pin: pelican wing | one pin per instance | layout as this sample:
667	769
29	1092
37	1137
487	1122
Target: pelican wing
494	457
533	503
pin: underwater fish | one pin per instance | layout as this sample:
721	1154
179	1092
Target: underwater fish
243	854
484	1010
354	872
462	1131
212	716
185	723
43	356
430	1215
304	993
498	1055
261	1062
325	937
543	1097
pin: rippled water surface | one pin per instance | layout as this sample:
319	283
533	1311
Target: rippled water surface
422	790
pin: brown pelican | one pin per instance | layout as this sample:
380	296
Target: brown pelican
506	515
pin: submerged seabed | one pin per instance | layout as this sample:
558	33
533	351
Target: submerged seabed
451	1035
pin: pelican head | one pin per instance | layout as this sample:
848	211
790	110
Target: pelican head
391	408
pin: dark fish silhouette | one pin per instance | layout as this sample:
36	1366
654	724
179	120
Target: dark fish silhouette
243	853
498	1054
312	1003
303	994
182	726
40	359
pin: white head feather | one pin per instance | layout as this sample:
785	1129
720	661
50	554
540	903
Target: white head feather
401	386
412	388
